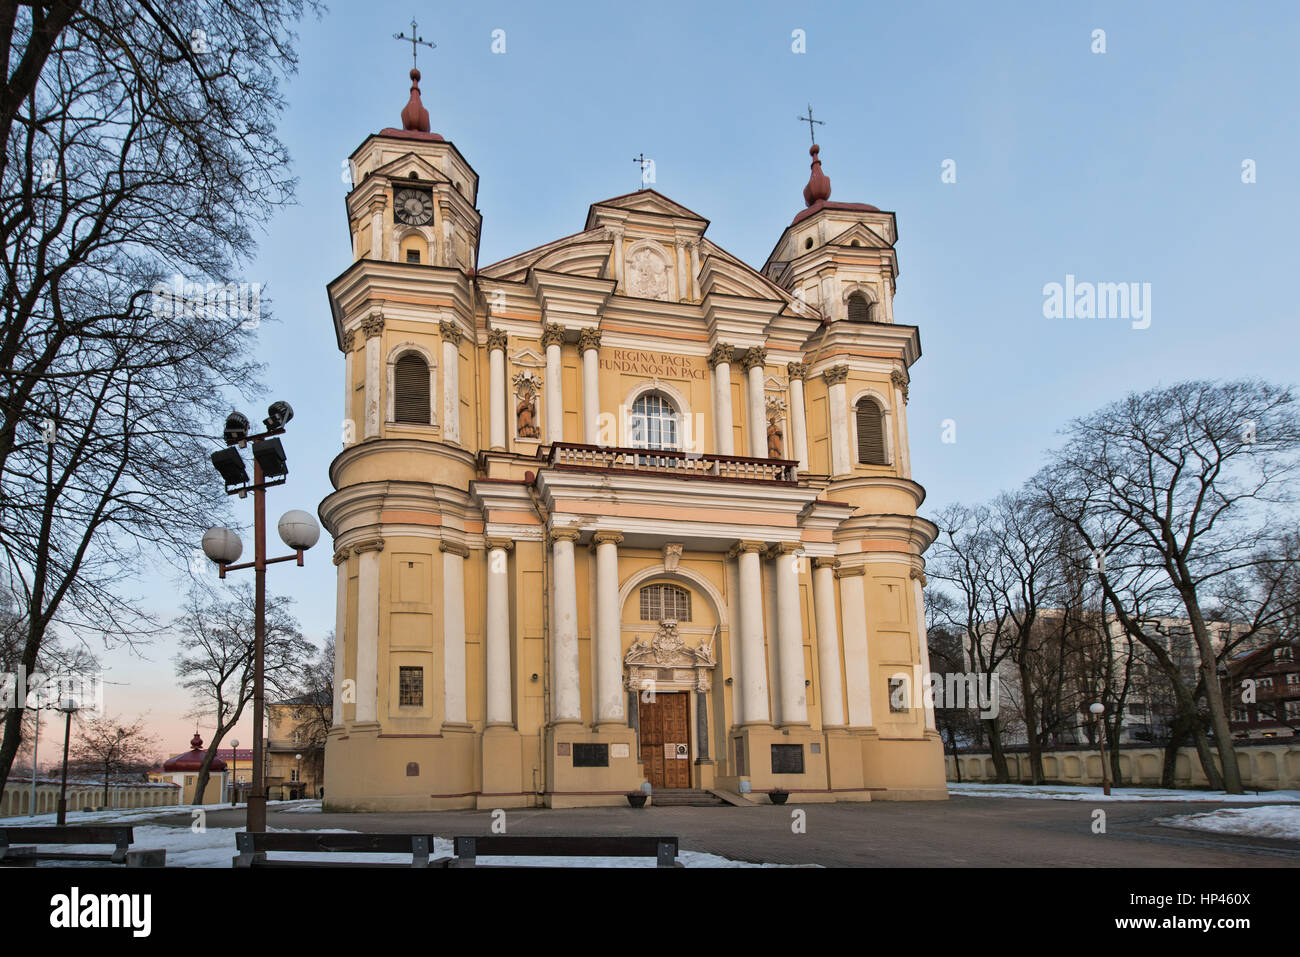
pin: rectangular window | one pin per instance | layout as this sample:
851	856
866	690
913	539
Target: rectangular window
413	255
590	755
787	759
411	687
1293	678
1292	710
1282	653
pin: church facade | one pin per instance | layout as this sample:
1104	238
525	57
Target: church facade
620	508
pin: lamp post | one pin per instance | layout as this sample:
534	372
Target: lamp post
234	766
297	771
69	707
297	529
1099	709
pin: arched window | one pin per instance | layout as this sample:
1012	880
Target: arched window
860	308
659	602
411	389
655	422
871	432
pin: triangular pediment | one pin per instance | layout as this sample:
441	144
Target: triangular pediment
723	274
863	234
643	201
576	255
402	168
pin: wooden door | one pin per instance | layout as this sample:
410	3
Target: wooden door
665	739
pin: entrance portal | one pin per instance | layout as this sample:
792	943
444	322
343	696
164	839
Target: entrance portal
665	725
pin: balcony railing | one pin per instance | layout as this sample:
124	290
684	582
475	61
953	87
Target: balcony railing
734	468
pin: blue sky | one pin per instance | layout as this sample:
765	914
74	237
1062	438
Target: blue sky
1123	166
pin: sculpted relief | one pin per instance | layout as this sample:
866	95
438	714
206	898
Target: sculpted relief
647	273
527	385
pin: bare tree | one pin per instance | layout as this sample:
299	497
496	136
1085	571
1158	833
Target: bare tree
112	749
1172	489
216	666
138	145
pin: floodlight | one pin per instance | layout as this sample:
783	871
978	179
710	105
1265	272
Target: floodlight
269	454
231	466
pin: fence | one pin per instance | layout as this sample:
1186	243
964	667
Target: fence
17	798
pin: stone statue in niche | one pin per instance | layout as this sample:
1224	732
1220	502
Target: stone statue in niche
647	275
526	389
775	438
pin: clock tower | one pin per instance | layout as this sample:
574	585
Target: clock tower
413	196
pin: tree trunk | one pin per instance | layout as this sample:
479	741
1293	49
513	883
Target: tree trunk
1213	695
1031	721
1001	774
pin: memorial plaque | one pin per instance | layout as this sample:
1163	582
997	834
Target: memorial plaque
619	751
562	748
815	747
586	755
787	759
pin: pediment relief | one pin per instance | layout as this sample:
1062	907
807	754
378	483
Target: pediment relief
667	650
646	271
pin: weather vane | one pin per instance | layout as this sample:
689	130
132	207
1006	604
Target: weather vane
812	135
416	41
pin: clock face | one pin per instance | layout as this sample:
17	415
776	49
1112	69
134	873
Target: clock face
413	207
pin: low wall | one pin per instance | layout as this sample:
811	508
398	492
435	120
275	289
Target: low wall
17	798
1263	766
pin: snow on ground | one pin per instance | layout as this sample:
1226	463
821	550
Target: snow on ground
1066	792
127	815
215	846
1278	820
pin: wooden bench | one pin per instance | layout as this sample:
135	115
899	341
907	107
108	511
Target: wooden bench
253	848
14	855
468	849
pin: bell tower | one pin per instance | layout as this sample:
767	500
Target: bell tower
413	195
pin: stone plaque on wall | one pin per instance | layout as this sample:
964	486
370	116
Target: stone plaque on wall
619	751
562	748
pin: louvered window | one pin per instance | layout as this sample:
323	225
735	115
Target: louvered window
871	433
859	308
659	602
411	389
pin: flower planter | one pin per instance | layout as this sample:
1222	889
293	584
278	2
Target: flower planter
636	799
778	797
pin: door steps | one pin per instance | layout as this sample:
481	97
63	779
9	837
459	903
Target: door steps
685	797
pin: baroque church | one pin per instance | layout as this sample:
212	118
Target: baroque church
620	508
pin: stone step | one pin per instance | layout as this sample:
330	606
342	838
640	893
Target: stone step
685	797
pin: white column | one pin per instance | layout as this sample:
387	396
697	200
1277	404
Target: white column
607	664
723	432
377	230
368	629
835	379
616	250
757	424
857	667
789	623
798	420
566	699
497	389
499	710
372	328
589	345
340	636
683	284
349	423
753	704
453	632
450	380
903	458
828	642
694	285
922	638
552	336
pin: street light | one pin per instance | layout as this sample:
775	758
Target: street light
234	778
69	707
270	468
1099	709
297	772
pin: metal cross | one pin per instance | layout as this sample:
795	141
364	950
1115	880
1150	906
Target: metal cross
640	160
414	39
810	121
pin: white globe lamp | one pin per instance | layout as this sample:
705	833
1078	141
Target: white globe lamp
222	546
298	529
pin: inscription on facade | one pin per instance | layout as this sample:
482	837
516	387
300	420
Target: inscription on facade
661	364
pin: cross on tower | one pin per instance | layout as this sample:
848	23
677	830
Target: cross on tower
414	39
812	135
640	161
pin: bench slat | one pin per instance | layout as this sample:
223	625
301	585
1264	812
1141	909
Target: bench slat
544	846
78	834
